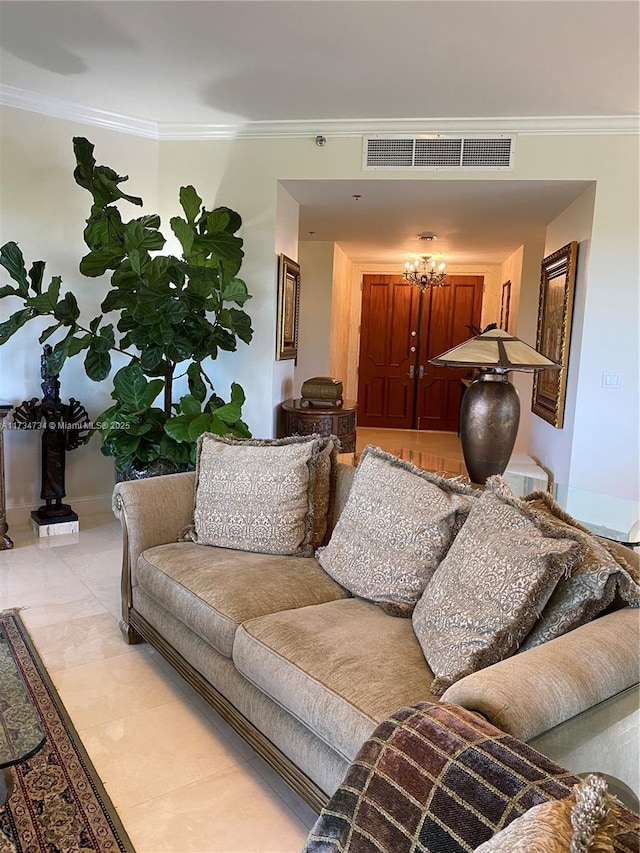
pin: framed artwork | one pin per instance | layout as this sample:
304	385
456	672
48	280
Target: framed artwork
555	310
504	306
288	308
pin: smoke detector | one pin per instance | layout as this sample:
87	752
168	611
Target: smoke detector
429	236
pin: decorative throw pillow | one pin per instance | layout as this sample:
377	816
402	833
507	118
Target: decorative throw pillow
396	526
489	590
603	573
584	821
268	496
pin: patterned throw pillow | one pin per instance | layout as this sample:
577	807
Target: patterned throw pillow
583	822
605	572
487	593
396	526
267	496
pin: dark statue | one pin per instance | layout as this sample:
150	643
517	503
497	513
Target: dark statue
65	426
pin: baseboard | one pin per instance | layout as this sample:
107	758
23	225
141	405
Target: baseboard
20	516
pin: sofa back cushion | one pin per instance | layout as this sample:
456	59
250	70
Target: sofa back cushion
268	496
397	524
487	593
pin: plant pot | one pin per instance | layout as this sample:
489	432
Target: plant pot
142	470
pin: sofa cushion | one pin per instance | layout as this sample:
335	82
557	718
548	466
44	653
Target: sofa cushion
266	496
311	662
604	574
213	590
487	593
397	525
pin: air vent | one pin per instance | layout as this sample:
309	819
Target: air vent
438	152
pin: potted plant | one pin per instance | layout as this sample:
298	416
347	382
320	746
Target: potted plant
172	314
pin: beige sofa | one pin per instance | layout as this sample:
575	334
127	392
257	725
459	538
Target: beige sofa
303	670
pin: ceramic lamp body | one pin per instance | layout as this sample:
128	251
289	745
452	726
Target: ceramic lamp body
489	417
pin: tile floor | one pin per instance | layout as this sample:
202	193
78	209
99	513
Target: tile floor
180	778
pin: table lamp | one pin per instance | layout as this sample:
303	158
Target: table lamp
490	408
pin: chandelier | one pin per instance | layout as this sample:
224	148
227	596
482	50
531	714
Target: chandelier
425	275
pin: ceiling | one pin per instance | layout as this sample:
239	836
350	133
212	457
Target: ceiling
476	222
211	68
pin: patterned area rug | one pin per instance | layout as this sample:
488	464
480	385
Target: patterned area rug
58	804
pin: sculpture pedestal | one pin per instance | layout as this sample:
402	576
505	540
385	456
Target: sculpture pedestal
54	526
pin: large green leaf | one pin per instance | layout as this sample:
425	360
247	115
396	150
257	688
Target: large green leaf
12	260
178	427
104	229
199	425
97	364
172	449
218	220
175	310
235	290
224	214
224	339
36	274
237	322
97	263
196	384
190	202
222	245
101	181
67	309
77	344
16	321
151	359
48	332
105	340
137	235
133	389
231	412
184	232
190	405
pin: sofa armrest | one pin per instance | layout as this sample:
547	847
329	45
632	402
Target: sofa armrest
151	512
537	689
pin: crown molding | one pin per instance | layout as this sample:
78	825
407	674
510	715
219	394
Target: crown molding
31	102
175	131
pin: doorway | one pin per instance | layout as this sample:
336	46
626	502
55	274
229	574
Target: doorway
403	327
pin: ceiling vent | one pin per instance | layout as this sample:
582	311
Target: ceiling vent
438	152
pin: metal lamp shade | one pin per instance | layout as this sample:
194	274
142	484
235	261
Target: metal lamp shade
489	417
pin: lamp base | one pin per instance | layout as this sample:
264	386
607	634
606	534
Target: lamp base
489	417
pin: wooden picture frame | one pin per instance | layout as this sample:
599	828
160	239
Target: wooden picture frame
505	306
288	309
555	312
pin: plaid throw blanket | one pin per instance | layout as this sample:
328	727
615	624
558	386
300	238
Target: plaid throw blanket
440	779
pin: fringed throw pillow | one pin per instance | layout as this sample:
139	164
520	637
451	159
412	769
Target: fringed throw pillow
267	496
583	823
398	523
605	573
490	589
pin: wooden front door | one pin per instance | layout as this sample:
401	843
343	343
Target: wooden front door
401	328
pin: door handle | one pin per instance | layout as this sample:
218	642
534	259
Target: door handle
421	372
411	373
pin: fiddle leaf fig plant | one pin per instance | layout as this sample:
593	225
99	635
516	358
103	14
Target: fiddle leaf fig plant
168	315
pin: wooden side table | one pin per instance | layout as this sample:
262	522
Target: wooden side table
5	541
299	419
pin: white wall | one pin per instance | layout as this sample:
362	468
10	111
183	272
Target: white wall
341	328
550	445
316	287
244	174
286	243
44	211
